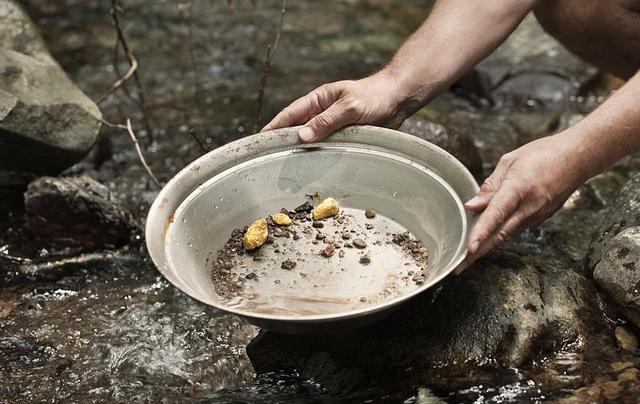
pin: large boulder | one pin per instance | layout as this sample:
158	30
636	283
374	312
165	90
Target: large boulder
622	214
77	212
46	123
507	310
618	272
529	69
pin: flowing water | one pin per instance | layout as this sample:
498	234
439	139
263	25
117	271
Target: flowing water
114	329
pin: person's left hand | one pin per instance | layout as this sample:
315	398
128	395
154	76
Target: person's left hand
527	186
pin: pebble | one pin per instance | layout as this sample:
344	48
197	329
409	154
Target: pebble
288	264
359	243
281	219
317	224
327	208
305	207
341	254
256	235
370	213
251	275
365	259
345	235
369	226
320	236
328	250
626	339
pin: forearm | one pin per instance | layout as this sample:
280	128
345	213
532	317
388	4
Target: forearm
611	132
456	36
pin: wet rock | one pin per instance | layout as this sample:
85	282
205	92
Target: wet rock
622	214
505	311
626	339
618	272
77	211
46	123
458	143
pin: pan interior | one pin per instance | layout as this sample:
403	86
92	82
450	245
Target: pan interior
406	196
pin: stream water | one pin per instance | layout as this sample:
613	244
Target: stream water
115	330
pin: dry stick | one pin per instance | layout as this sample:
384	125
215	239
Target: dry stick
123	79
132	60
266	66
134	138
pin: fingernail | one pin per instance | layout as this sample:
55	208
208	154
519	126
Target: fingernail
473	201
306	134
474	247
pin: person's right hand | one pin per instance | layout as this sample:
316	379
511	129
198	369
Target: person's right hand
376	100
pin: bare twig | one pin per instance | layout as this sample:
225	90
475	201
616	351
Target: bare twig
123	79
136	144
266	66
140	155
115	10
195	137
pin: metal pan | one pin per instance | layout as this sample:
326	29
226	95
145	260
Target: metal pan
412	184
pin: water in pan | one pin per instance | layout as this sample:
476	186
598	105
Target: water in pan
321	279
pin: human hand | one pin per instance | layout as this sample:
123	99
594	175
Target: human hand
527	186
377	100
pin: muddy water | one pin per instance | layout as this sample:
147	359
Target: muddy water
116	331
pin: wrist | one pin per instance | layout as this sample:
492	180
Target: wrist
408	92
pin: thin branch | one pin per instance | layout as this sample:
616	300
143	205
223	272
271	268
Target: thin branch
140	155
266	66
123	79
195	137
115	9
134	138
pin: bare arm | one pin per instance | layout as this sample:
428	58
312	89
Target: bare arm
456	36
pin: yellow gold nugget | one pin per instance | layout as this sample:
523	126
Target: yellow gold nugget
281	219
256	235
328	207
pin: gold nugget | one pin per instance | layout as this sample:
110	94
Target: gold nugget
328	207
256	234
281	219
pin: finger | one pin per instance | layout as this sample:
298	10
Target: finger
322	125
489	187
502	205
512	226
305	108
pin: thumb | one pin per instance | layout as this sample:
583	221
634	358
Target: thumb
322	125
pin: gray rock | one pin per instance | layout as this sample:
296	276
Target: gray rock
504	311
618	272
455	142
622	214
531	66
77	211
46	122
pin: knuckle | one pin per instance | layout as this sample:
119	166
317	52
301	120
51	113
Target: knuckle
353	107
488	185
325	121
502	235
